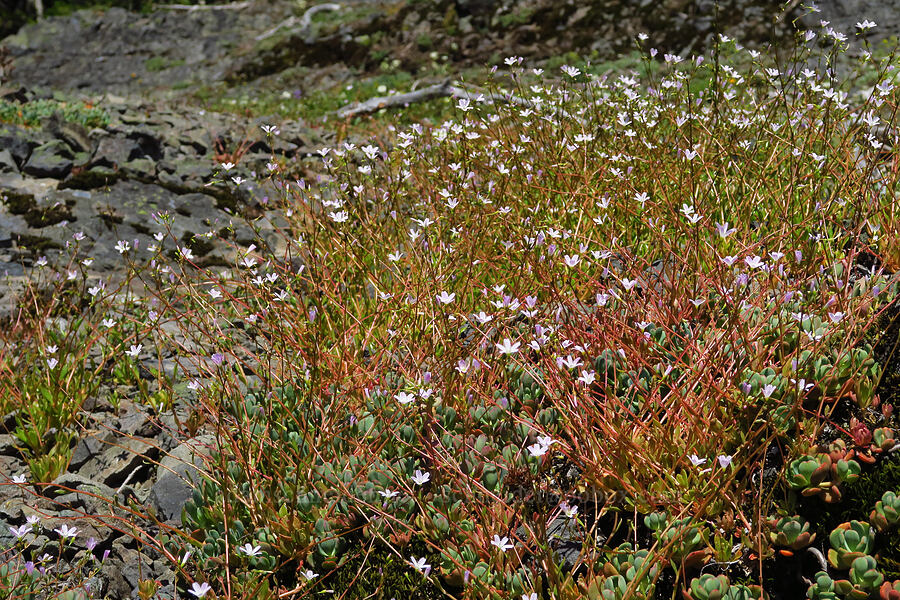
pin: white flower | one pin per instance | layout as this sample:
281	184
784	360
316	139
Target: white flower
421	478
768	390
754	262
508	347
696	460
420	565
249	550
405	398
587	377
52	362
309	574
66	532
570	510
228	166
866	24
122	246
135	350
502	543
570	71
200	589
724	460
388	493
20	478
445	298
537	450
340	216
835	316
186	253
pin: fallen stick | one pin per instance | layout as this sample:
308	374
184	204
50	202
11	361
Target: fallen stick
304	22
193	7
439	90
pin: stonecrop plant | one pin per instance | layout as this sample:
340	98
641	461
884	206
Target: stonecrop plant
596	336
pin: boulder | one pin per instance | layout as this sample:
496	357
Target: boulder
177	475
7	162
54	159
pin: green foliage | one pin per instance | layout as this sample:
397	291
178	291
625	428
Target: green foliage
31	114
850	541
792	532
886	513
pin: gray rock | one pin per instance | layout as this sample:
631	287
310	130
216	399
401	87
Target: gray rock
177	475
89	447
18	142
54	159
7	162
128	461
114	150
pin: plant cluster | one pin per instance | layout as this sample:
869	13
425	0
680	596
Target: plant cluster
591	336
31	114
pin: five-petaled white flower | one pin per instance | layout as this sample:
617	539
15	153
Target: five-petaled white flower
20	478
200	589
445	298
420	477
508	347
66	532
249	549
135	350
405	398
502	543
122	246
387	493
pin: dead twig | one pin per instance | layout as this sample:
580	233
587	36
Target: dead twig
304	22
439	90
195	7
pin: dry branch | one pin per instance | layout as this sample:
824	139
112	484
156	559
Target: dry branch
195	7
439	90
304	22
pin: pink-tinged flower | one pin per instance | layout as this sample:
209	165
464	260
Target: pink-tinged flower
445	298
571	260
200	589
587	377
19	532
52	362
420	477
218	358
754	262
724	460
723	230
